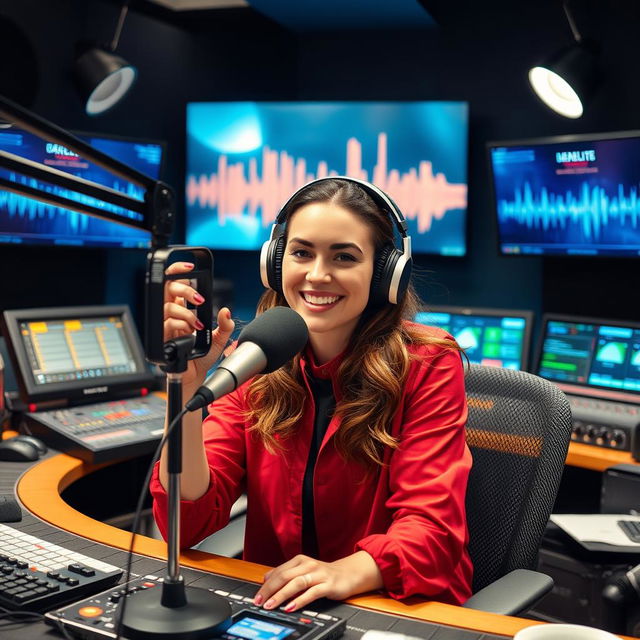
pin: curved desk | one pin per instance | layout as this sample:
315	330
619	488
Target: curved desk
588	456
39	490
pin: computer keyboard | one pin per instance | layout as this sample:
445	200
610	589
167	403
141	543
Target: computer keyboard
36	575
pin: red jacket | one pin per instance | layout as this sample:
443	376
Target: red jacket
410	517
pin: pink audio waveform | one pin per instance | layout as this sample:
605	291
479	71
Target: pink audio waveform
418	193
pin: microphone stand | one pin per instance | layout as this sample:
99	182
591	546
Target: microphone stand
184	612
178	612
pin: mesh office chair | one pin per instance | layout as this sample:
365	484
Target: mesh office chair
518	430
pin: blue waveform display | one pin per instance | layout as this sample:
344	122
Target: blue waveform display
36	220
577	198
244	159
24	220
592	212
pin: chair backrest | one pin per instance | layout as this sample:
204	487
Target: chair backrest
518	431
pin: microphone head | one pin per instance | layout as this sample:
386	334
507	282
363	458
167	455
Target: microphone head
280	332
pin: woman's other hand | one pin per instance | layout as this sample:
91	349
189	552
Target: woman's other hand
302	580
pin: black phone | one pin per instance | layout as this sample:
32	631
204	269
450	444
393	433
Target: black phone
201	279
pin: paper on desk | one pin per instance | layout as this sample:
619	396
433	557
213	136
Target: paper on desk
602	528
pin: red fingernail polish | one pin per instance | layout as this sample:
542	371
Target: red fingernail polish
290	607
188	265
258	599
198	298
199	325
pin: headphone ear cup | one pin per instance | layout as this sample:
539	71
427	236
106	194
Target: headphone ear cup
381	278
274	263
404	267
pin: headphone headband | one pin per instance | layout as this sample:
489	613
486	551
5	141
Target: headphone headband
377	194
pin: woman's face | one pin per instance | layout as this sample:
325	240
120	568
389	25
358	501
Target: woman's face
326	273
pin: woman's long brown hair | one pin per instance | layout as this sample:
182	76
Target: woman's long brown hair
371	376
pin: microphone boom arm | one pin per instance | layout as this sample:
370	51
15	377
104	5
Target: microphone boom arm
157	210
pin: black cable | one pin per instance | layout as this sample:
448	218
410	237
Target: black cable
36	617
136	520
31	617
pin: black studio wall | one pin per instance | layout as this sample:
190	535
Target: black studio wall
481	54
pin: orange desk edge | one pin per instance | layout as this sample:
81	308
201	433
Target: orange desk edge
588	456
40	487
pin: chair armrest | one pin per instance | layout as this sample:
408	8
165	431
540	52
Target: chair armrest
512	594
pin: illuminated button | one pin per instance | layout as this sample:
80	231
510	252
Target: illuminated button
324	616
148	585
313	614
90	612
305	620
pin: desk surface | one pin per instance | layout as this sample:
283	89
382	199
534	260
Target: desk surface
39	490
40	486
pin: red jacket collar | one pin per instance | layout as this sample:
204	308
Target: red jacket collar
324	371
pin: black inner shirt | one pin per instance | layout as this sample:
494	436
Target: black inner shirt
325	404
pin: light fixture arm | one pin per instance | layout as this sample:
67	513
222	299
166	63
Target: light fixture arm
572	23
121	18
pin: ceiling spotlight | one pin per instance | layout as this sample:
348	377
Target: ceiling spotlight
102	77
567	80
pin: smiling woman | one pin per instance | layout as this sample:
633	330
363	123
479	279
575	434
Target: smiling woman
353	454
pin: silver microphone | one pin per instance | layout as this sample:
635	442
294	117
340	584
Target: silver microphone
264	345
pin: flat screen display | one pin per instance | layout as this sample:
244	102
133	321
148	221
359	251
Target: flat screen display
69	349
491	337
259	628
590	353
570	195
75	352
245	159
26	221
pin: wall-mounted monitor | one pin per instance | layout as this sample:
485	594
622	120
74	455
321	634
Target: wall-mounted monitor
568	195
244	160
591	356
26	221
491	337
